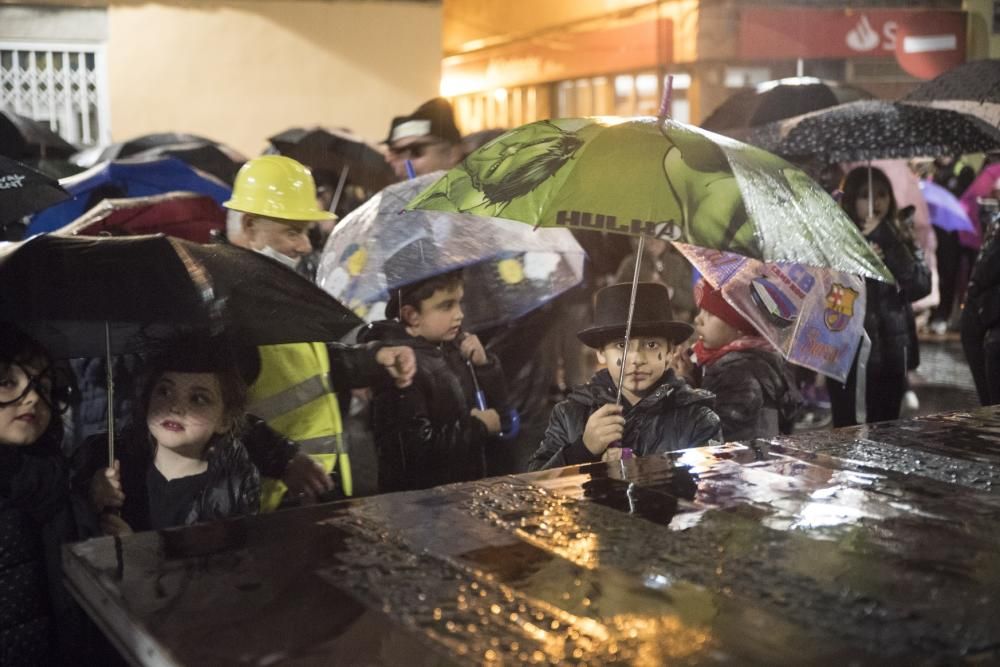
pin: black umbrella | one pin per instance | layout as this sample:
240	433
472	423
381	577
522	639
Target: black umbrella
24	191
88	157
780	99
21	137
875	129
220	161
344	155
972	88
65	290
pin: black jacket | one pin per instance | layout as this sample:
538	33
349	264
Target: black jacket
34	521
888	315
673	416
232	488
424	433
983	295
754	396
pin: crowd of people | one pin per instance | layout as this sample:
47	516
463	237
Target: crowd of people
216	429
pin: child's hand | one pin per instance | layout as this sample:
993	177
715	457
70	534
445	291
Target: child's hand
106	488
871	222
112	524
680	361
605	426
400	362
305	478
473	350
491	418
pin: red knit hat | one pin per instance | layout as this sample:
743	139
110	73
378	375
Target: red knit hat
709	298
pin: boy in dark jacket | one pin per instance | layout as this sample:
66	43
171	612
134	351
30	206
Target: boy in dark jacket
659	411
754	396
434	432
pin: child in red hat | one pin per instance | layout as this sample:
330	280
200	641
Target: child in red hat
754	396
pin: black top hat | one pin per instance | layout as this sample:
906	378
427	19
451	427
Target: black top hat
433	118
653	315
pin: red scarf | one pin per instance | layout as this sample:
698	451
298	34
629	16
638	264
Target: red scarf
707	356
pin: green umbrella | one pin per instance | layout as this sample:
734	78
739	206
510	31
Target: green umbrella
656	177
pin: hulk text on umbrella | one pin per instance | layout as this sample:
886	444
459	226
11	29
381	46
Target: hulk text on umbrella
667	230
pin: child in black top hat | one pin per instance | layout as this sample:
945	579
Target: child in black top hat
659	411
434	431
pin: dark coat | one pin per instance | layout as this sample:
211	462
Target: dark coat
34	521
983	294
673	416
424	433
888	315
754	396
232	488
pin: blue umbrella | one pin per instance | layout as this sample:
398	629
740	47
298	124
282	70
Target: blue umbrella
946	211
125	178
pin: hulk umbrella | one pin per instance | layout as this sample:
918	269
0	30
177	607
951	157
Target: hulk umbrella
656	177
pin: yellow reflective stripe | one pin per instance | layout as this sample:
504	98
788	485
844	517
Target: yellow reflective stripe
327	444
289	399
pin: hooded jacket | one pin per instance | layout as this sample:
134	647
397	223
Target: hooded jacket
424	433
672	416
753	395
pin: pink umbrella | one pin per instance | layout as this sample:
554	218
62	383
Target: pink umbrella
981	187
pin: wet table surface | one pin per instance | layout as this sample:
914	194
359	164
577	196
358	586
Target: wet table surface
870	545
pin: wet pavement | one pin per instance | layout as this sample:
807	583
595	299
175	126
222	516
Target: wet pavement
869	545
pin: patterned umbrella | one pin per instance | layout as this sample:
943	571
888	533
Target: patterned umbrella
780	99
972	88
509	269
875	129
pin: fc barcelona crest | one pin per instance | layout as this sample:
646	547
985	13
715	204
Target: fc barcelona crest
839	307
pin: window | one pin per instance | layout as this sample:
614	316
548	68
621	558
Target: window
64	85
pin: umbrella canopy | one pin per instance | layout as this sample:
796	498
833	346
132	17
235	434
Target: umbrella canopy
333	151
509	270
663	178
148	286
780	99
946	211
24	191
982	186
215	159
186	215
21	138
972	88
126	178
875	129
814	317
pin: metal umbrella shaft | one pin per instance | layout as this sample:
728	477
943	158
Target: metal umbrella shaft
111	395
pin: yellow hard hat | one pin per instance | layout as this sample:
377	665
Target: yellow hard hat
277	187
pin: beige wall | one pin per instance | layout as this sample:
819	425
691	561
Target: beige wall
240	71
983	43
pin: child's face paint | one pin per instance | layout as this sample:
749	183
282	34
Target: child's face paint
644	365
23	421
185	411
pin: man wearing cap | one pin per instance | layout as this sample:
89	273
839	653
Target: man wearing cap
294	391
658	413
427	140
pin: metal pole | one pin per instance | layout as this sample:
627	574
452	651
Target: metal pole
340	189
111	395
631	311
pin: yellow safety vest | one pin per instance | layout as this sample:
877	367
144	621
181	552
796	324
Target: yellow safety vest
293	395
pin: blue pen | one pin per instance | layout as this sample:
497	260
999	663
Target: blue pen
410	173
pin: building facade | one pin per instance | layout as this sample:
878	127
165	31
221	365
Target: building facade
510	62
236	71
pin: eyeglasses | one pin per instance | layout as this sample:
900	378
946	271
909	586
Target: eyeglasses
16	383
413	151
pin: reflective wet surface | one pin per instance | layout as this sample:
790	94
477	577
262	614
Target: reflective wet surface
870	545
